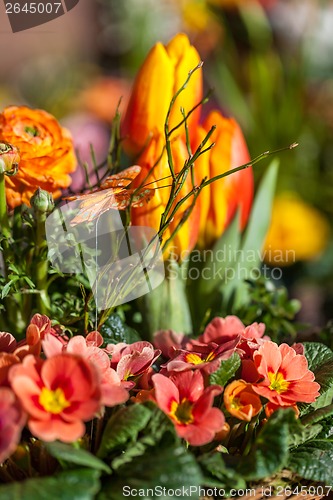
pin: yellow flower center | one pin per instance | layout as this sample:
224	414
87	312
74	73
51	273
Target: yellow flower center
182	412
277	382
235	404
195	359
53	401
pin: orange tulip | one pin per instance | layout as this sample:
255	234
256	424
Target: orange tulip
150	214
221	199
162	74
241	401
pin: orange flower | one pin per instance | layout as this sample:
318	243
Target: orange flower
162	74
58	394
286	378
150	214
270	408
241	401
222	198
46	151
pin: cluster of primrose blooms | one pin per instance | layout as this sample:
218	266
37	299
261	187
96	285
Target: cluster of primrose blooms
53	384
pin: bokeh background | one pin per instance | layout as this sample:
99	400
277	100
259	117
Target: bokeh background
270	65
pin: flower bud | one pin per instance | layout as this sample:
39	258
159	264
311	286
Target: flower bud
42	201
9	158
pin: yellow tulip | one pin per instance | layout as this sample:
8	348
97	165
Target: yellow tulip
161	75
298	231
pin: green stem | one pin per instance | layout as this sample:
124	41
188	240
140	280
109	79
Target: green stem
42	265
4	223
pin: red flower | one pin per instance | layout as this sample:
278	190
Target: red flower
206	357
11	422
131	361
168	341
189	405
58	394
220	330
286	376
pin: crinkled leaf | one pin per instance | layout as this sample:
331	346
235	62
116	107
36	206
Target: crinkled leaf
78	484
216	472
313	461
114	331
270	450
67	453
227	369
303	434
318	415
156	428
169	467
320	361
122	427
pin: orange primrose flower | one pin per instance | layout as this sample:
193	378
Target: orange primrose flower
286	378
241	401
270	408
46	153
185	400
58	394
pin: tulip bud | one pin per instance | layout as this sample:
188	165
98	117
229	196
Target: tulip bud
163	73
42	201
9	158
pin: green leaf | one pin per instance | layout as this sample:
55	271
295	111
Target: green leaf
156	428
270	450
221	475
227	369
80	484
213	270
303	434
249	252
318	415
114	331
169	467
167	307
7	287
123	426
313	461
66	452
320	361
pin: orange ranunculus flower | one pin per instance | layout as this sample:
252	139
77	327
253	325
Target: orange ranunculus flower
162	74
150	214
221	199
46	151
241	401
